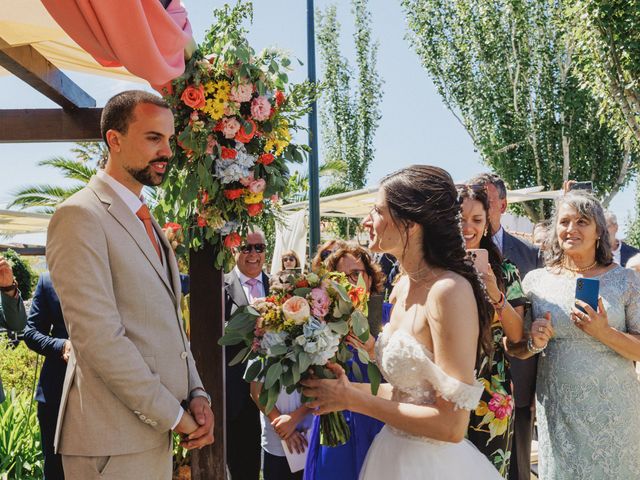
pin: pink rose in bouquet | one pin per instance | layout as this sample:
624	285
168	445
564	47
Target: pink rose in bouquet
260	108
257	186
241	93
296	309
229	127
320	303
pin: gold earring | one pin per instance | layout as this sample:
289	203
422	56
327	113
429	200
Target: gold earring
598	243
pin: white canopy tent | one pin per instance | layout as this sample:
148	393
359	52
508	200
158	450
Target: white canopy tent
14	222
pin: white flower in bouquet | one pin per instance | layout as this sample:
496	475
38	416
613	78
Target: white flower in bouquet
319	341
272	339
296	310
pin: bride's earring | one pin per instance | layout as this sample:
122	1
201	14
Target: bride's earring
598	243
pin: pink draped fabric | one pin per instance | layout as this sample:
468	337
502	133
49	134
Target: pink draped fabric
140	35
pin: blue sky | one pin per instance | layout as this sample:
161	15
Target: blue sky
415	128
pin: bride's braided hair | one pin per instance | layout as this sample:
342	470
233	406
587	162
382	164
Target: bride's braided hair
426	195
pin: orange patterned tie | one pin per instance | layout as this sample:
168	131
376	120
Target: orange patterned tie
144	215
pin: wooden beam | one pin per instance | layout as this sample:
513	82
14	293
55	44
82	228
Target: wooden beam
206	308
50	125
26	63
25	251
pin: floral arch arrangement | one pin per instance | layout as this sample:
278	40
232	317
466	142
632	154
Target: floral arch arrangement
235	113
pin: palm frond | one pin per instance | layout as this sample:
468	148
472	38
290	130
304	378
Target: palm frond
47	196
74	169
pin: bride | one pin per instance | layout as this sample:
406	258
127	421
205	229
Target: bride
439	326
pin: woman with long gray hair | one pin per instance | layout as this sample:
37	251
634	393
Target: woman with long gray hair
588	396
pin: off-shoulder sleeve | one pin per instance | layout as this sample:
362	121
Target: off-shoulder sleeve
632	304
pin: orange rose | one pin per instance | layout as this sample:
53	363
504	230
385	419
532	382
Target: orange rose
193	96
234	193
254	209
202	222
280	98
232	240
228	153
266	158
244	137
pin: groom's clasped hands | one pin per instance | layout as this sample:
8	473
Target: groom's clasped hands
196	425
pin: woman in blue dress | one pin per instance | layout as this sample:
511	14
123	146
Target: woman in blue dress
344	462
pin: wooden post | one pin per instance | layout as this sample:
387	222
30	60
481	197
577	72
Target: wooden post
207	326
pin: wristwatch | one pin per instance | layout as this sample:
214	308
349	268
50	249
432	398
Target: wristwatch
200	392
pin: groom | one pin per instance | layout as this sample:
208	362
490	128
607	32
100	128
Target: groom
118	282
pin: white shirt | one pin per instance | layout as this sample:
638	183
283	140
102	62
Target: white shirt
133	202
498	238
247	288
616	253
286	404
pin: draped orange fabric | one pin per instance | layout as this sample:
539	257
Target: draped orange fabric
140	35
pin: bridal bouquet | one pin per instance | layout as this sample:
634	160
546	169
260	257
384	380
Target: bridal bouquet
295	331
235	114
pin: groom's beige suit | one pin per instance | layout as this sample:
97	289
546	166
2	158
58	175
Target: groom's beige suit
131	365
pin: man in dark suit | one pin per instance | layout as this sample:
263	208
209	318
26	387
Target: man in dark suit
243	285
523	372
47	335
621	251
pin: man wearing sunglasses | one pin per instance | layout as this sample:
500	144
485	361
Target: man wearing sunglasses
244	284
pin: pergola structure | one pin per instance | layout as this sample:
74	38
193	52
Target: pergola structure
36	50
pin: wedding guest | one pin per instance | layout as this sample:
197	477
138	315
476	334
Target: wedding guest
326	249
288	420
130	369
12	313
620	250
345	461
439	327
47	335
588	396
634	263
290	260
526	257
491	423
540	234
242	285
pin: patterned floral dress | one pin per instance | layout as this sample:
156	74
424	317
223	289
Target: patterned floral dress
491	426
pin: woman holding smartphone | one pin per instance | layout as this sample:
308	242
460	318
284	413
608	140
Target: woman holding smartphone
490	426
587	392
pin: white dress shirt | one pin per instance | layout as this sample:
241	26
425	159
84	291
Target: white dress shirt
498	239
247	288
617	252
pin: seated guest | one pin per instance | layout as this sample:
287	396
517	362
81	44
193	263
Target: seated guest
47	335
12	313
290	260
621	251
345	461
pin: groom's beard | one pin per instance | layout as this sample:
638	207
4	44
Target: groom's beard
148	176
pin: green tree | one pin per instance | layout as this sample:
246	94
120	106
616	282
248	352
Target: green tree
506	70
46	197
350	104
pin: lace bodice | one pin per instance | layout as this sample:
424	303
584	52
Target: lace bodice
409	367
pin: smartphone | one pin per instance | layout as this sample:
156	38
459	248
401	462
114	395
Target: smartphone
480	259
588	186
587	290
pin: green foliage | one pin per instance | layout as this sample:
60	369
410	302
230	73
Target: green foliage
607	37
45	198
20	450
20	367
506	70
23	273
350	106
633	226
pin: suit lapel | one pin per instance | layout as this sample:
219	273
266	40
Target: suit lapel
123	215
235	291
174	272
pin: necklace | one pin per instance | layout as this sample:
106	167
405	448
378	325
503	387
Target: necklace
418	274
581	269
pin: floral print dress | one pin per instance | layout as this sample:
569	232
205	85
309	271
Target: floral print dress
491	423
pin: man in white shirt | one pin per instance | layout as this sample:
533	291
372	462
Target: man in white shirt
243	285
621	251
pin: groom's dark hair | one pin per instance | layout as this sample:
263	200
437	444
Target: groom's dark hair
117	114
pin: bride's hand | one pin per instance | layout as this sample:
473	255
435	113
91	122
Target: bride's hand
328	395
369	346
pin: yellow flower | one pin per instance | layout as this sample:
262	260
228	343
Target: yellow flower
482	409
251	198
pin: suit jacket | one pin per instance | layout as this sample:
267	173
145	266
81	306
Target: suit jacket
12	317
523	372
237	390
46	334
626	252
130	365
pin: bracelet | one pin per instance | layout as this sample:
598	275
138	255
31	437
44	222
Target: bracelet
532	348
500	304
10	288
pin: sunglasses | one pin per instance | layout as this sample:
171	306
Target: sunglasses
256	247
288	259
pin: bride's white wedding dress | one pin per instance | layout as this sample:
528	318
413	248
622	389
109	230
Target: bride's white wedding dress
409	367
